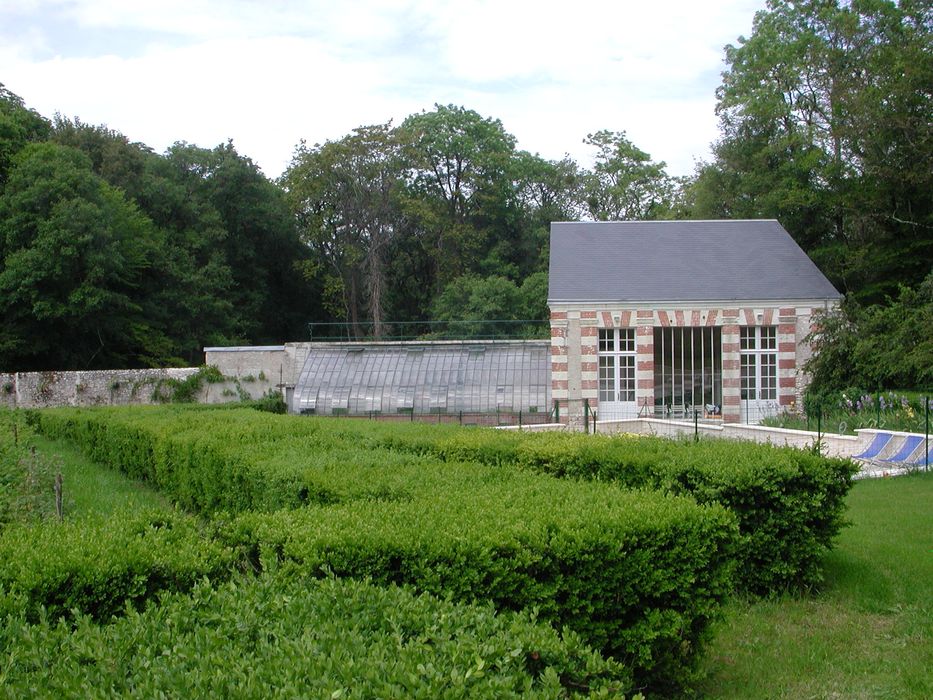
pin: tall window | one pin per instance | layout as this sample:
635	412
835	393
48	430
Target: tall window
616	364
759	363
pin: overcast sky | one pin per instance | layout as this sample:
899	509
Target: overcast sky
268	74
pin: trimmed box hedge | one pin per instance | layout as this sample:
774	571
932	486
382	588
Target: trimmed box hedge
790	503
638	575
300	638
98	566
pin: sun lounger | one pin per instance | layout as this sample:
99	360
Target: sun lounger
911	443
877	445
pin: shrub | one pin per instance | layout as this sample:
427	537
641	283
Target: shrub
97	567
790	503
304	638
638	575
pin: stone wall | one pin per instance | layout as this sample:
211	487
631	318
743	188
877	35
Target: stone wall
94	388
118	387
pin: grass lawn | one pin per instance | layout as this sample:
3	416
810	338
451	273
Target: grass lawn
92	490
869	632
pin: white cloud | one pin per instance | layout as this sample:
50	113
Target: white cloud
270	74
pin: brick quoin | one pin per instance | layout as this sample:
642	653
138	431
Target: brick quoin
787	328
786	399
589	331
731	364
559	384
558	315
646	384
646	315
559	366
558	332
558	350
587	349
588	384
787	382
731	328
787	364
645	331
645	366
732	313
787	347
730	347
589	315
787	311
728	383
732	400
587	366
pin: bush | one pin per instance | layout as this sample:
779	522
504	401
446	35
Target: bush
638	575
304	638
790	503
97	567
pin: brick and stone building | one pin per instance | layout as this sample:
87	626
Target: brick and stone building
664	318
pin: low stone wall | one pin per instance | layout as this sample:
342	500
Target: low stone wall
118	387
93	388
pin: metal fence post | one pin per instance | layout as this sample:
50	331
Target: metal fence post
556	411
696	425
926	439
586	416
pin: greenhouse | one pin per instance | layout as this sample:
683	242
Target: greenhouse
446	378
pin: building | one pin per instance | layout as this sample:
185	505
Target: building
665	318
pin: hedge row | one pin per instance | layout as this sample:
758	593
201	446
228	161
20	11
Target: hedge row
790	503
638	575
239	460
98	566
329	639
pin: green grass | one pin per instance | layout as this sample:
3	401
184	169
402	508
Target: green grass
867	634
92	490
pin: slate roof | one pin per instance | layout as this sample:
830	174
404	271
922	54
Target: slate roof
648	261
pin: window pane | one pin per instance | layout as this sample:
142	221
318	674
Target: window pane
607	340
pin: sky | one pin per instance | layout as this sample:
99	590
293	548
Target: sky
269	74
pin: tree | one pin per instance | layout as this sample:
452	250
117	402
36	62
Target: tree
827	123
460	192
18	126
345	195
625	184
74	255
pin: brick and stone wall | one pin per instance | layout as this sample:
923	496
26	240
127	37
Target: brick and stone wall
574	349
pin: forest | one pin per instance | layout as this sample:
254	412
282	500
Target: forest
113	255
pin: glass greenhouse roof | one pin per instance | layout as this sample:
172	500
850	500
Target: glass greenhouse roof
425	377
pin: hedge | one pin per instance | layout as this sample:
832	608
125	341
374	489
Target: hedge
320	639
638	575
97	566
790	503
238	460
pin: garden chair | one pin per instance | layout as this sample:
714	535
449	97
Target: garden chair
877	445
911	443
922	460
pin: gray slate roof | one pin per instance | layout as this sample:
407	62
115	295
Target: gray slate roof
680	261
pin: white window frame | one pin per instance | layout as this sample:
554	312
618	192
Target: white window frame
616	363
758	352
